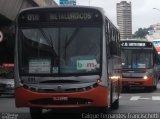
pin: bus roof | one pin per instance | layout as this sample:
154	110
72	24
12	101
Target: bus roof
64	7
99	9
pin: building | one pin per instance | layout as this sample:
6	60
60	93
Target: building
124	19
155	26
9	10
154	36
8	13
154	32
44	3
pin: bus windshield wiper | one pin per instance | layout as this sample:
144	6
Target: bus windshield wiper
49	41
69	41
72	37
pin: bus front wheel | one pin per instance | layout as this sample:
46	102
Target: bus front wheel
155	87
102	109
36	113
115	105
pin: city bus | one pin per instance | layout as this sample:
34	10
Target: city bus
65	58
156	44
139	65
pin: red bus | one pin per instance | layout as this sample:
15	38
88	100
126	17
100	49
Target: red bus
66	57
139	64
156	44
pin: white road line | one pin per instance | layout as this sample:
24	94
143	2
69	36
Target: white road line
155	97
145	98
134	98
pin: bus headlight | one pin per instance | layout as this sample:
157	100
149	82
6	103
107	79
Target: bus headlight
114	77
145	77
98	80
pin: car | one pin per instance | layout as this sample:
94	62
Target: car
7	79
7	86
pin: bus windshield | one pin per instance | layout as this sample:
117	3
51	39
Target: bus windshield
137	59
60	50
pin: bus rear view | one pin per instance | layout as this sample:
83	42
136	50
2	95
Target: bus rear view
139	65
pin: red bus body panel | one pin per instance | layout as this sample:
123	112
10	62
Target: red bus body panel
129	82
99	95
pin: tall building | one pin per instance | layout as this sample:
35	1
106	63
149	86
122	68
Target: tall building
124	19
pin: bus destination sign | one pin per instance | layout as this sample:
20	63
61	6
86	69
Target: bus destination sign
61	17
136	44
71	16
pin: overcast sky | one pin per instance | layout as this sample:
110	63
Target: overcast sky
143	14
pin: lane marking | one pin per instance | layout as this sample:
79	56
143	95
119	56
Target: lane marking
145	98
155	97
134	98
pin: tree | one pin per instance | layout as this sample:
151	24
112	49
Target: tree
141	33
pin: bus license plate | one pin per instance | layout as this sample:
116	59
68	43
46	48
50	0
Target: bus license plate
60	98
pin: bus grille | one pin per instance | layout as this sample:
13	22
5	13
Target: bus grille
2	85
41	90
70	101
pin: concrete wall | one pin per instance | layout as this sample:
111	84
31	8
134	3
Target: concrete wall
45	2
10	8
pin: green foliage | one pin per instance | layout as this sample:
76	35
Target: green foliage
6	73
141	33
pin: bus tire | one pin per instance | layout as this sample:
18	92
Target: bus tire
155	87
102	110
36	113
115	104
150	88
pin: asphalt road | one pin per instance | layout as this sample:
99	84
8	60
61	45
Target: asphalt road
130	102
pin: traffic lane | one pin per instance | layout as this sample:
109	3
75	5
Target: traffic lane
137	101
129	103
126	106
143	105
8	109
74	114
10	115
7	105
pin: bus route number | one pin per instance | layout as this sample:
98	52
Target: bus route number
33	17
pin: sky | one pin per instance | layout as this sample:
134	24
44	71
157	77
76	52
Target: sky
143	14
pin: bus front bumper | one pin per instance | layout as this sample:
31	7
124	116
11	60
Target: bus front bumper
137	83
96	97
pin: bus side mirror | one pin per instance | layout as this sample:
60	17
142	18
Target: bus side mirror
113	48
